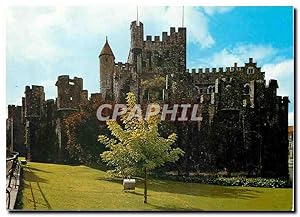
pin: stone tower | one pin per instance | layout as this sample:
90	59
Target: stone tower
70	98
34	107
135	54
107	67
70	93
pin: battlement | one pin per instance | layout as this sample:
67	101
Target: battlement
67	77
282	100
135	23
149	38
240	69
12	107
36	88
216	70
123	66
213	70
61	77
64	80
173	36
13	110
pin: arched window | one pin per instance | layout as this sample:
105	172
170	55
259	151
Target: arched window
197	89
210	89
228	87
246	89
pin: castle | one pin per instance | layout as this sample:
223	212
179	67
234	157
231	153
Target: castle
244	124
146	59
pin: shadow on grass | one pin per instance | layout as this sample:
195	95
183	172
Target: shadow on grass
167	207
39	170
31	178
173	208
135	193
194	189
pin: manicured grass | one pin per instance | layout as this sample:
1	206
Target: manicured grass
64	187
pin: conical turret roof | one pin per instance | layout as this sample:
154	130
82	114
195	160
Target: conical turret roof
106	50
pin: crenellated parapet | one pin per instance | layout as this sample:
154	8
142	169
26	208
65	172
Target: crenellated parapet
250	69
172	38
122	71
122	68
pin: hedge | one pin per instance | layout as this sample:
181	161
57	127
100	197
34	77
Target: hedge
230	181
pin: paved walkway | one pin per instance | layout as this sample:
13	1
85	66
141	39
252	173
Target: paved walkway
13	189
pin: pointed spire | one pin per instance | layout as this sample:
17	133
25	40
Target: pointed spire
182	16
137	14
106	50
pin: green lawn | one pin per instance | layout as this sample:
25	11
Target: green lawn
64	187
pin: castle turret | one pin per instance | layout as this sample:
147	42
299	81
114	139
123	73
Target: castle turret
107	66
137	35
69	93
135	54
136	45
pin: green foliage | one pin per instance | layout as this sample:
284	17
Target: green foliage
231	181
153	87
155	83
82	129
136	144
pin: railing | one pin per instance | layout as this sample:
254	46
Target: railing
12	166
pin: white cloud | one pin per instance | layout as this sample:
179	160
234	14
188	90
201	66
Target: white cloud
28	34
239	54
156	20
259	52
213	10
160	19
197	25
283	72
284	69
33	33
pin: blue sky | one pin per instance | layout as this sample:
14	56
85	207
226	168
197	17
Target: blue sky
45	42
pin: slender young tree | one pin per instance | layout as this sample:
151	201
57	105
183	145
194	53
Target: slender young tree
136	146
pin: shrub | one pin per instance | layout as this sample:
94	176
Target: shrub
230	181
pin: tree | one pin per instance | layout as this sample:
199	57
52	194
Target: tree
82	129
136	146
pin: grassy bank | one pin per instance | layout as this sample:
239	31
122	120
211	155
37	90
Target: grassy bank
64	187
